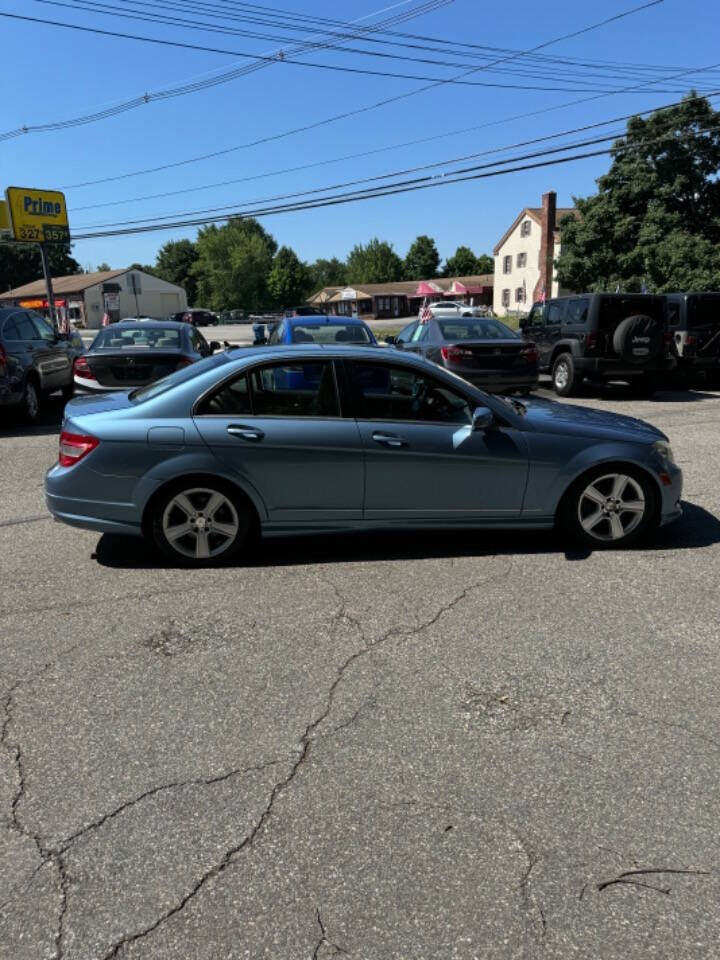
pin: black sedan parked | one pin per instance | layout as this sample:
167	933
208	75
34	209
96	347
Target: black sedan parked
132	354
481	350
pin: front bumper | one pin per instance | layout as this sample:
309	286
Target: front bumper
670	493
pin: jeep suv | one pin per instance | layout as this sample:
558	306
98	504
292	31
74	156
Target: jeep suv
602	336
694	320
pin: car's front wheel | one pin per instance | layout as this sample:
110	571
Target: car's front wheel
610	507
200	524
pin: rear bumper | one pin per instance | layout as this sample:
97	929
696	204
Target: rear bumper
91	386
103	516
699	363
497	381
612	367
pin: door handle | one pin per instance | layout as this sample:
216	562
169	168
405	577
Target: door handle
389	440
245	433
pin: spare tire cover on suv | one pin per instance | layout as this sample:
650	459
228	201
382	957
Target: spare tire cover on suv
639	339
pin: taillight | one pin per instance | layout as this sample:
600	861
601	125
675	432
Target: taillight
530	353
591	341
690	340
81	368
183	362
455	354
75	446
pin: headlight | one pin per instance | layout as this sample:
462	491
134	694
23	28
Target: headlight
664	450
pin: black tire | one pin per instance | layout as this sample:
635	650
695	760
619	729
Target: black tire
186	549
643	387
712	379
578	511
565	380
31	401
639	339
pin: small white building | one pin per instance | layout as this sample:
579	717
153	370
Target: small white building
84	298
524	258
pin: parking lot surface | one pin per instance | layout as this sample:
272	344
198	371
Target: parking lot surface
464	745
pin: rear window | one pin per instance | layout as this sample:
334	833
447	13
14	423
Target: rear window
330	333
613	310
180	376
141	336
480	328
704	311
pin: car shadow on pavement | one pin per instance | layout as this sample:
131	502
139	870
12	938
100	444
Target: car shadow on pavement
48	423
698	528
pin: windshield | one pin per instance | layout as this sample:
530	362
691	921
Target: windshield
475	328
139	336
180	376
330	333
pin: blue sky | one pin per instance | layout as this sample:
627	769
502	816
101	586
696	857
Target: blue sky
56	74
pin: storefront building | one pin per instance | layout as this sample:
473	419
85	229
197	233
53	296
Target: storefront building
86	298
402	298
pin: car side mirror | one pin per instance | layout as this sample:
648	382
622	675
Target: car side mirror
215	345
482	418
391	340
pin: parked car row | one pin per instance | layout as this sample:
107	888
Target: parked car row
639	338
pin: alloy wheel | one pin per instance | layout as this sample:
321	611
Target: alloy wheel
562	375
611	507
200	523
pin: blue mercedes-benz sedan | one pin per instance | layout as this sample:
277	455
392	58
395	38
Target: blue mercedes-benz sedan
202	461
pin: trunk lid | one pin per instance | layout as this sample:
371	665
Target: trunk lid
127	369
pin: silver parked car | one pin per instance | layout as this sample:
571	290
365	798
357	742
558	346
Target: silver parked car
305	438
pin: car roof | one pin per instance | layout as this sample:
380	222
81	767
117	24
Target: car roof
326	318
372	351
148	324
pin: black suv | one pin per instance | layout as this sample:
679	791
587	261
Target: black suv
694	320
34	361
602	336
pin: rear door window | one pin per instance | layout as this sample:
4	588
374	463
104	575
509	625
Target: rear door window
44	330
25	327
291	389
577	311
555	312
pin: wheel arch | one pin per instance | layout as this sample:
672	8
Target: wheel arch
255	507
612	462
565	346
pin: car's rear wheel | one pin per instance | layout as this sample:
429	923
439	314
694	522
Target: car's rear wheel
609	507
30	404
200	523
564	375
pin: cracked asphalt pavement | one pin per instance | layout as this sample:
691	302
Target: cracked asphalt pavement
463	745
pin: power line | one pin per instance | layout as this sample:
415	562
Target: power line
431	85
246	205
354	196
407	143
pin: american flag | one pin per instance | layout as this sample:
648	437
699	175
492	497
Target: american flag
542	295
425	314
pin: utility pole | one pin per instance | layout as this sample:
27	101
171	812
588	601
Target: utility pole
48	286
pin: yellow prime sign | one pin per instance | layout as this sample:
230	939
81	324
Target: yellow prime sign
38	216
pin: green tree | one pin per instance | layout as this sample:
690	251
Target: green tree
102	267
655	219
376	262
289	279
327	273
174	262
145	267
463	263
485	264
20	263
422	260
233	264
